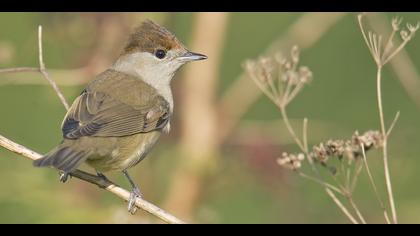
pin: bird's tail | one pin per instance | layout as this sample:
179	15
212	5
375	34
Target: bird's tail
64	158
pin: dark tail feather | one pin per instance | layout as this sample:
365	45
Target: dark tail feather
63	158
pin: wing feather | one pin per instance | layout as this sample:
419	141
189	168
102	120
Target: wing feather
101	115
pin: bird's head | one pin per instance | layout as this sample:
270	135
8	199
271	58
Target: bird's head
152	51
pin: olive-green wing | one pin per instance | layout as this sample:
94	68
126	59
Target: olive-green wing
100	115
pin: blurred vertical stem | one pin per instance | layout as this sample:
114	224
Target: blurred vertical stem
381	58
199	135
384	145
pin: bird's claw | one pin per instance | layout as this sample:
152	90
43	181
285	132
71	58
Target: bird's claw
135	193
64	177
102	176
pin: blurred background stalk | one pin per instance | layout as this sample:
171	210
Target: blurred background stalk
199	145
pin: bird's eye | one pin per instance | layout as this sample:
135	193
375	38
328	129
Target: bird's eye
160	53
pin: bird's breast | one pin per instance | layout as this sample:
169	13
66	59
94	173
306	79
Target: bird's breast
126	152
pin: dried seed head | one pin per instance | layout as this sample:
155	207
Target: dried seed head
295	54
305	74
320	153
280	58
412	28
300	157
276	73
368	139
348	149
396	23
292	76
267	63
291	161
335	147
404	35
267	68
254	71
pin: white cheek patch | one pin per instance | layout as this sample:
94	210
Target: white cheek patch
155	72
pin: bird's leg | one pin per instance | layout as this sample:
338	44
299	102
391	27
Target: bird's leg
64	176
99	174
135	192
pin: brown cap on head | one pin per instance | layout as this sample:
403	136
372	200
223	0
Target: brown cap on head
150	36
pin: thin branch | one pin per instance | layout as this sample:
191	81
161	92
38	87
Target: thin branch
321	182
368	42
305	134
44	72
19	69
358	169
341	206
393	124
388	45
384	146
304	149
402	64
290	128
395	52
356	209
93	179
372	182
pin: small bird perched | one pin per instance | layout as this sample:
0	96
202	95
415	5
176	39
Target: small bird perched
120	115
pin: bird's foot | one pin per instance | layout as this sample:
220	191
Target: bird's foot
135	193
64	176
102	176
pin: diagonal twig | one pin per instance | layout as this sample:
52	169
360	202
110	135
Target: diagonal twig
45	73
93	179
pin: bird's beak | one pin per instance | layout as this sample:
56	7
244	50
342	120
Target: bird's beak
191	56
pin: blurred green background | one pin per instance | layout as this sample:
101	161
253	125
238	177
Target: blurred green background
237	181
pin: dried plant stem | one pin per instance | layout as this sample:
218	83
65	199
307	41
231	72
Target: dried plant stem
327	187
372	182
321	182
341	206
356	209
397	115
19	69
305	135
395	52
45	73
384	145
358	170
234	104
290	128
100	182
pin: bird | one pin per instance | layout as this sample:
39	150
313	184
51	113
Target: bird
120	115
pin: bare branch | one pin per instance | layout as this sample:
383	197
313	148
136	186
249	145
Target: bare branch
19	69
93	179
372	182
341	206
356	209
45	73
397	115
